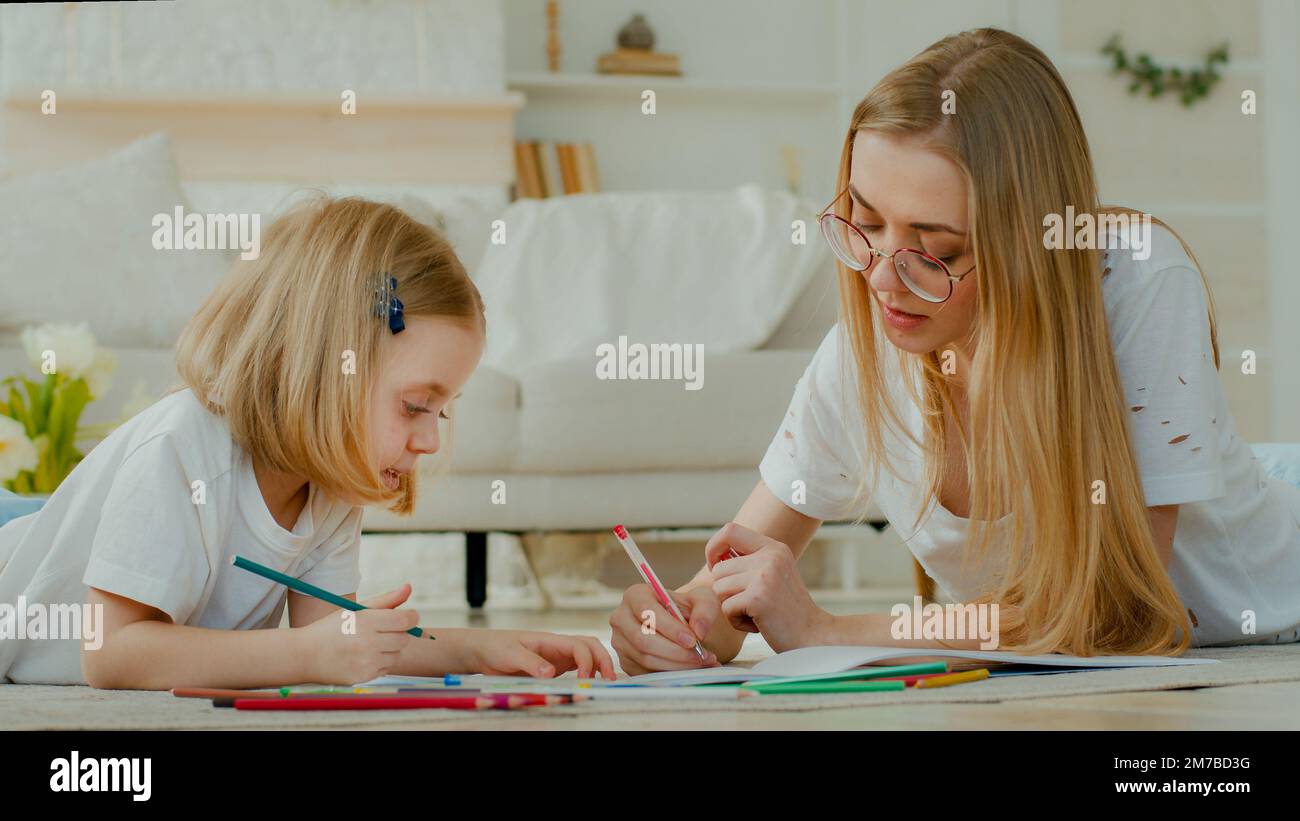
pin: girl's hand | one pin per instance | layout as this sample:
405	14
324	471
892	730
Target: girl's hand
347	647
542	655
763	585
649	638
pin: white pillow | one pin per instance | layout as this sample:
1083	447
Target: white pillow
715	268
78	246
463	213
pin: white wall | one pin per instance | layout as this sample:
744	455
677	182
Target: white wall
383	46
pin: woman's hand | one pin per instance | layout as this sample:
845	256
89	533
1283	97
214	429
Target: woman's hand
541	655
762	585
649	638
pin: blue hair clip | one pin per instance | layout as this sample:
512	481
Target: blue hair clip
387	304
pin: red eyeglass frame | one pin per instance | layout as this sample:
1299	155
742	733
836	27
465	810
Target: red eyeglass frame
953	279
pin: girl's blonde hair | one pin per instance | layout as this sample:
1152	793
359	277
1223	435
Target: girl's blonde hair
1046	403
267	351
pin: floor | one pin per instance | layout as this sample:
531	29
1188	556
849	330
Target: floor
1271	706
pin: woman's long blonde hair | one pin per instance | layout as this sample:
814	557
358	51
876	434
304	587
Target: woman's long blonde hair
267	351
1046	403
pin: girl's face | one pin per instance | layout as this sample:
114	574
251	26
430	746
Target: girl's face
907	197
423	371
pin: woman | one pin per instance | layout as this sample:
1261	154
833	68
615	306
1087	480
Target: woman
1048	416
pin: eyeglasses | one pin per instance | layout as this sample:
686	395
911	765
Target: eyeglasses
924	275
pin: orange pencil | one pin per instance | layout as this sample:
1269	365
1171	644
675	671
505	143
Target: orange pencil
953	678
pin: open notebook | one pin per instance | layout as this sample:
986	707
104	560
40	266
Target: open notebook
816	661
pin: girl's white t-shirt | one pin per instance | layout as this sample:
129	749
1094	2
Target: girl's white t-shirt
155	513
1236	551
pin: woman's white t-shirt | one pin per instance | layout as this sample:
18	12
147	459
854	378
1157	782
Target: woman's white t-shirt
1236	550
155	513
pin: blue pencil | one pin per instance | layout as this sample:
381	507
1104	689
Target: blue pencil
307	589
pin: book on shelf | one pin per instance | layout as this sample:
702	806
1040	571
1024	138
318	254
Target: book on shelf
638	61
550	169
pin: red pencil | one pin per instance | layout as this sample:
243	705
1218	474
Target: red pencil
908	681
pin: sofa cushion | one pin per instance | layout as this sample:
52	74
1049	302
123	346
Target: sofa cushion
78	247
574	422
596	501
485	432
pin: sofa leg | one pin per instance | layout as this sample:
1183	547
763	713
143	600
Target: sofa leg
476	568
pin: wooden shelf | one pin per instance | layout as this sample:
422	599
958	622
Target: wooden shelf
570	84
224	136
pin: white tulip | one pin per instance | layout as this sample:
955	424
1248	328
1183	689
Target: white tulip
99	376
17	452
73	345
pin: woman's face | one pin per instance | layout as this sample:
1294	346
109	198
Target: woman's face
423	371
907	197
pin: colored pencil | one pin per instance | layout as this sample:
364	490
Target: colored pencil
342	702
301	586
217	692
213	692
780	688
662	694
955	678
476	679
910	680
857	673
648	574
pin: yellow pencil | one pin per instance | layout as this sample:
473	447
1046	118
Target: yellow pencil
955	678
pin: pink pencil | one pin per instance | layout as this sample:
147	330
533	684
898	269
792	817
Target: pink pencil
347	702
648	573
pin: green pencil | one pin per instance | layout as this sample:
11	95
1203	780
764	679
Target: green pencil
778	688
857	673
308	589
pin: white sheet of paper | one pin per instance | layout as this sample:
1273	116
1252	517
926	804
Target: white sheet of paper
809	661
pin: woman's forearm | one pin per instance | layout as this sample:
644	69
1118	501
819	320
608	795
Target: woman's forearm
876	630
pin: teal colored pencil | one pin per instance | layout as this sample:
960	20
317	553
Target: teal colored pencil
777	689
307	589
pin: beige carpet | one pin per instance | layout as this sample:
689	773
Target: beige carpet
35	707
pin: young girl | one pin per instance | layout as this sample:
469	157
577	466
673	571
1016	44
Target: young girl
1051	423
315	377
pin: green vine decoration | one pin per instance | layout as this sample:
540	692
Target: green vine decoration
1190	84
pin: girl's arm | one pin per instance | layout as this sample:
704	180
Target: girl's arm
420	657
459	650
142	649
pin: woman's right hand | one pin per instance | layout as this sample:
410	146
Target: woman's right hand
649	638
351	647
